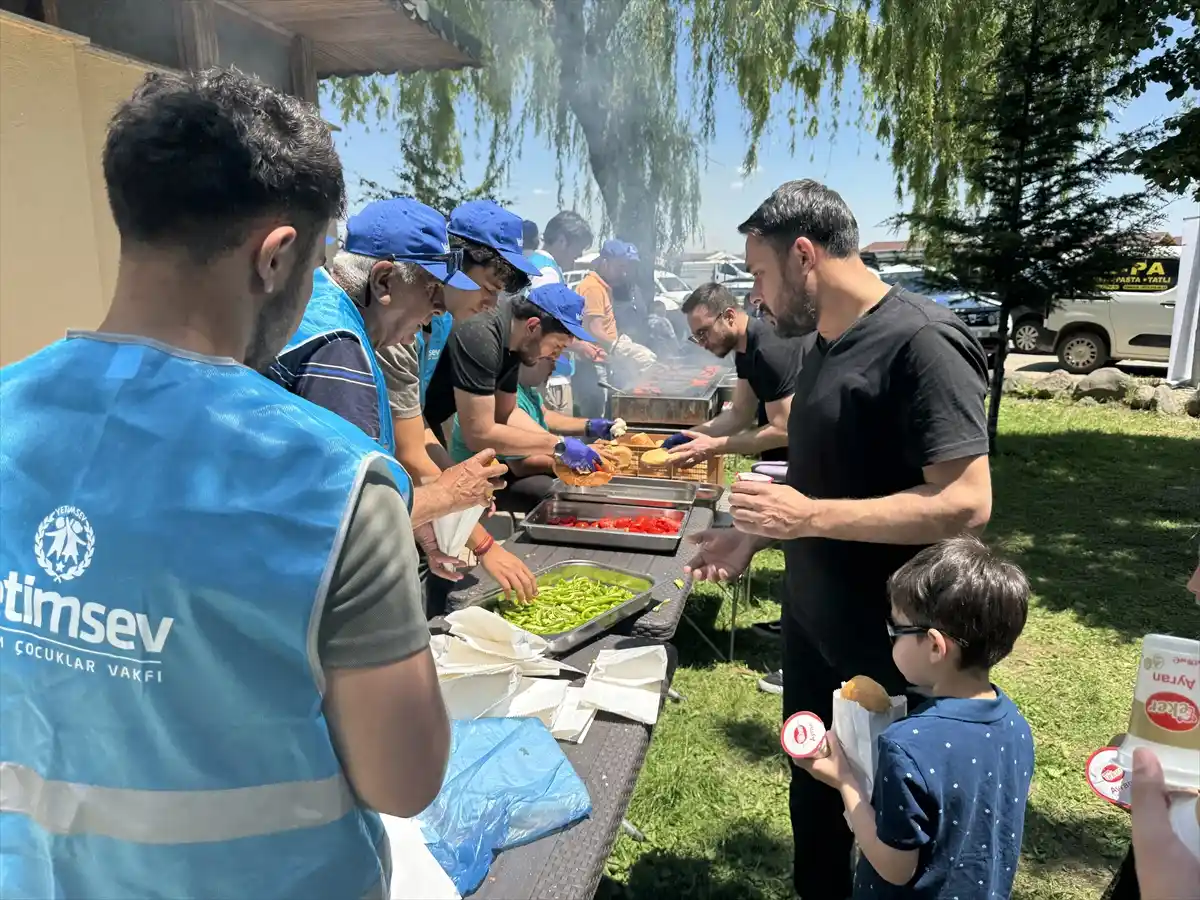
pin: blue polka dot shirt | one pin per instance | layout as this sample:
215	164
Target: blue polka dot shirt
951	783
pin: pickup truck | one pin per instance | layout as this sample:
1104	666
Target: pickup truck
1133	321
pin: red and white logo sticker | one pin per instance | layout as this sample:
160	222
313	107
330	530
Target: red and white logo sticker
803	735
1172	711
1107	779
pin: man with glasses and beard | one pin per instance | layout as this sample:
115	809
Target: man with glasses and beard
767	364
887	453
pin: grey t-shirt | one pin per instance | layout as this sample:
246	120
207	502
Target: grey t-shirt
374	612
402	375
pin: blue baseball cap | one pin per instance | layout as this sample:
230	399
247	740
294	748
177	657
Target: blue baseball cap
405	230
490	224
614	249
564	304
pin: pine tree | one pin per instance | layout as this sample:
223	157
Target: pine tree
1044	227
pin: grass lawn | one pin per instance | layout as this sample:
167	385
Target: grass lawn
1101	506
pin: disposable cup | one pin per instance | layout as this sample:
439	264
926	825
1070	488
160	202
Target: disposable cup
803	736
1165	715
755	476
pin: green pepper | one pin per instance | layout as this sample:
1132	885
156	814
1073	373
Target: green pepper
564	605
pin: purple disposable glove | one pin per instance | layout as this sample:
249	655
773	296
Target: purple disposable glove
579	456
599	428
675	440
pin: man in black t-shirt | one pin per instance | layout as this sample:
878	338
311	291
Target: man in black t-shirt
477	375
887	453
767	365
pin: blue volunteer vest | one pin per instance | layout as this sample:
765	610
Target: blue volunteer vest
430	347
170	523
330	311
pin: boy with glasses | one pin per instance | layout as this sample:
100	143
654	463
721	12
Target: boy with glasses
947	809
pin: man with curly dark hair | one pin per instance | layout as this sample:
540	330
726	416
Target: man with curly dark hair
235	675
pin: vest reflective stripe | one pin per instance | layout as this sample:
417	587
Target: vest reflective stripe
171	817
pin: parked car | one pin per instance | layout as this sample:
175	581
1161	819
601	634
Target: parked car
668	287
979	314
1025	329
1132	322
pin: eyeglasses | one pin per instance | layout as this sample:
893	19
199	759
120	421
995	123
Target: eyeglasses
895	632
453	258
700	335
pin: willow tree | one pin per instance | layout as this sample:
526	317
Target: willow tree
624	92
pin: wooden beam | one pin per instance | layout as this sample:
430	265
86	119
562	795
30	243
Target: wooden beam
304	72
197	34
50	12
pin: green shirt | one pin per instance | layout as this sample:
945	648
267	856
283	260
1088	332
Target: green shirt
528	400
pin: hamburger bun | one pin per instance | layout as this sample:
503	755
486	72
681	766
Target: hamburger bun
867	693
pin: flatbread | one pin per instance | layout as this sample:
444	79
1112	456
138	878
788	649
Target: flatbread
618	453
656	457
567	475
638	439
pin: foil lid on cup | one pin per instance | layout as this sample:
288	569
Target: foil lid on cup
803	736
1107	779
755	476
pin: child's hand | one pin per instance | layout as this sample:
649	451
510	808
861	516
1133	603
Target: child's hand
834	769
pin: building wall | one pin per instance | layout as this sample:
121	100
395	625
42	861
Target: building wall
58	244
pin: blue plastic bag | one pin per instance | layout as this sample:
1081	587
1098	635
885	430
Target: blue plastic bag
508	783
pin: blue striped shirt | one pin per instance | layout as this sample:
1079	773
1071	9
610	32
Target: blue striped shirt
333	371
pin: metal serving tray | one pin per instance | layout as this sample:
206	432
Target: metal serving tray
537	528
655	493
641	585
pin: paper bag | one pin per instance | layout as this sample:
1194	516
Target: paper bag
485	631
416	875
627	682
453	530
858	730
472	696
572	721
536	698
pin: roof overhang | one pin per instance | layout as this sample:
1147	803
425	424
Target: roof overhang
365	37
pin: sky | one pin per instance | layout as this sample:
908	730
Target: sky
851	161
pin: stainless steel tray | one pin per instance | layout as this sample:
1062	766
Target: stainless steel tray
641	585
538	529
655	493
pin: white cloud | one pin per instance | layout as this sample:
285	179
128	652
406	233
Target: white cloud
737	185
748	173
537	192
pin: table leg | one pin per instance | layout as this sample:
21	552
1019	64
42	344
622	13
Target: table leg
704	637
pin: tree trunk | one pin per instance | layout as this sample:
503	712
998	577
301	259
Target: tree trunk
993	421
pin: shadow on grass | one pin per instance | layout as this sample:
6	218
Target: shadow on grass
1104	524
745	864
752	739
751	648
1054	846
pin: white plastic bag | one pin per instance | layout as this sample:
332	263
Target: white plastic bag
453	530
858	730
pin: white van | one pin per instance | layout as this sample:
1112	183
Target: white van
1132	322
